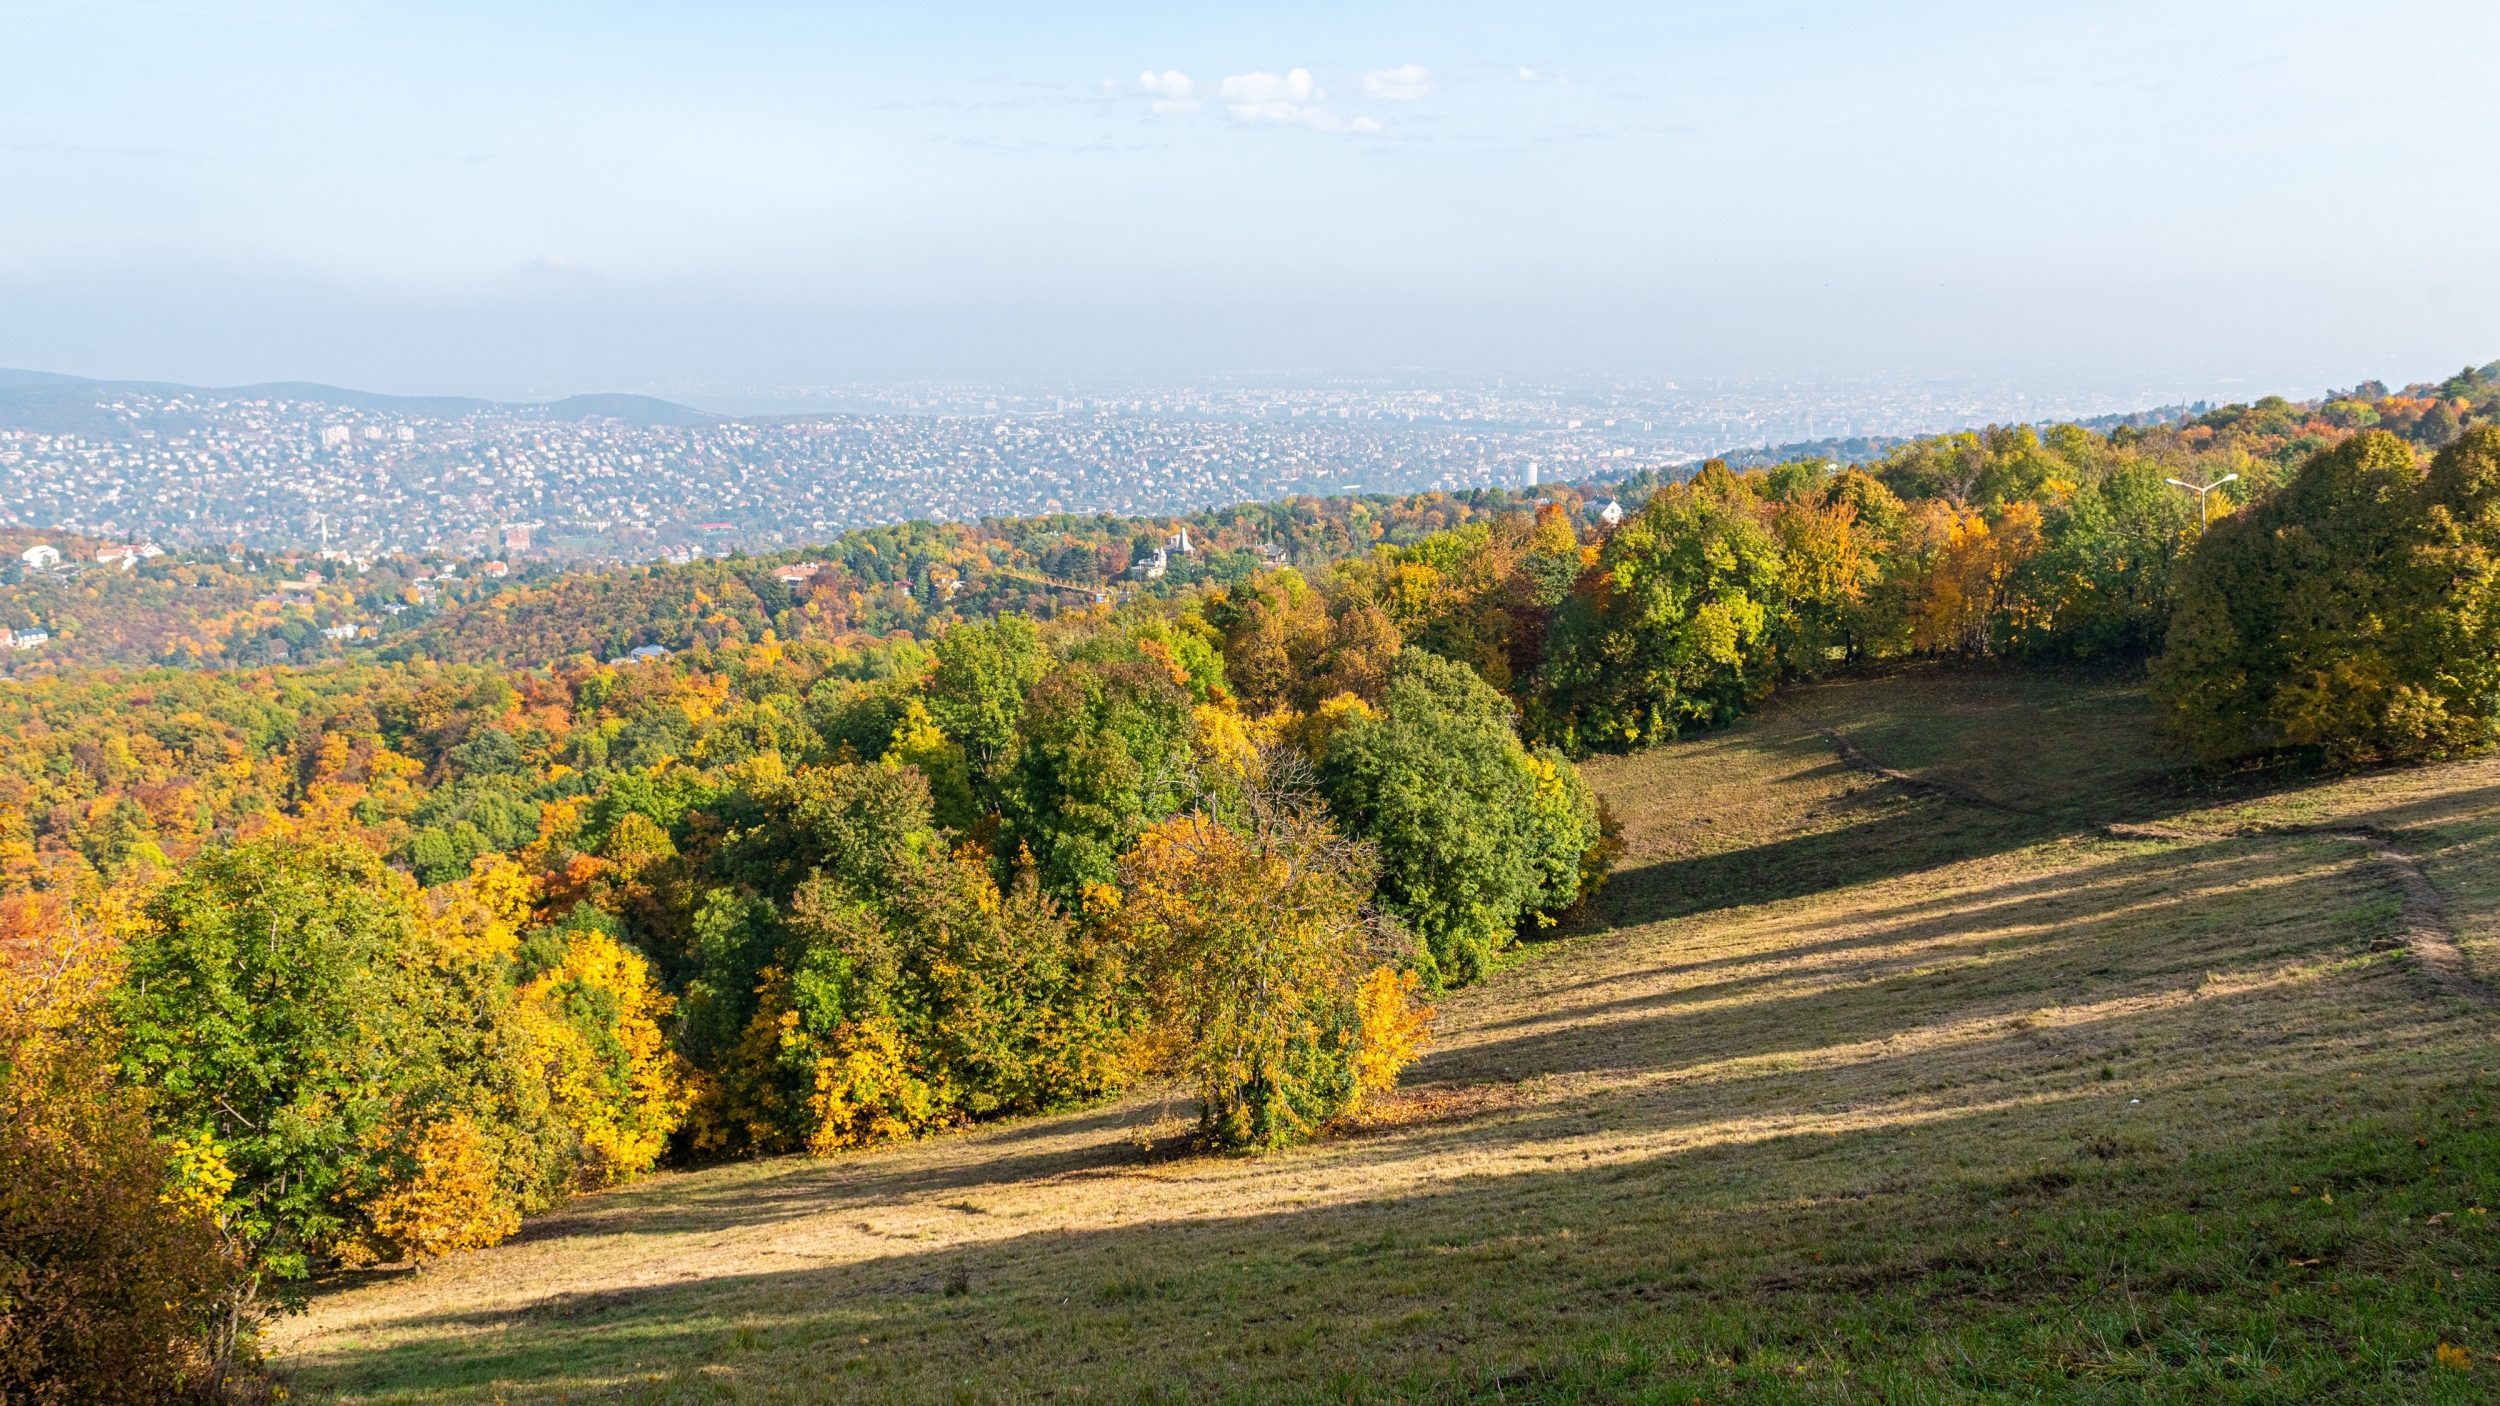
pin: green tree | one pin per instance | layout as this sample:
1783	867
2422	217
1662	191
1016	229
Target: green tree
1675	629
1439	783
291	1017
856	823
2104	582
2355	614
1105	753
273	1012
976	693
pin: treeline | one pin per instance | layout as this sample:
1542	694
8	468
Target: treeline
921	577
314	967
244	608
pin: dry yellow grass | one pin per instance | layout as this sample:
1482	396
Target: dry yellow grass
1844	1091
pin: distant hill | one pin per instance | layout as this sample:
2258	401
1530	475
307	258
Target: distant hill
48	403
631	409
1852	449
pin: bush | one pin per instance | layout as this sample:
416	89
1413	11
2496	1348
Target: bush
111	1280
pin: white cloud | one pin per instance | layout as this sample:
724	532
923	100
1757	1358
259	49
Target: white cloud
1268	88
1173	90
1402	84
1292	98
1529	75
1268	97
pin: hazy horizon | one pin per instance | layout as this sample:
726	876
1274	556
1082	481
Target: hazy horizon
758	199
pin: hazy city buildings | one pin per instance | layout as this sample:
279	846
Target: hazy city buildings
196	468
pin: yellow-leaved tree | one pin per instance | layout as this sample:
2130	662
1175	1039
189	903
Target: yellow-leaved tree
594	1015
587	1013
1268	980
450	1196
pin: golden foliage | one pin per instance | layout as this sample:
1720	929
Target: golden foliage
1310	732
1393	1026
1969	572
481	916
1249	935
1222	741
866	1090
593	1022
448	1199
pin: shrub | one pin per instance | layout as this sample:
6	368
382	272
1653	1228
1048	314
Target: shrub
112	1280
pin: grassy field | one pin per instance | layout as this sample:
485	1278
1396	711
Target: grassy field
1849	1090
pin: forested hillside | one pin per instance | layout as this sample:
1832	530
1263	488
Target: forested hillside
1943	1039
244	608
365	961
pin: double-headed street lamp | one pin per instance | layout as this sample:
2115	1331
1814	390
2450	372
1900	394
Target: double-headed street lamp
2200	490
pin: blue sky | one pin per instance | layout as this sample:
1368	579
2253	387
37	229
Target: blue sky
532	198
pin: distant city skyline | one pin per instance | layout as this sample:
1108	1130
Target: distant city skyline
753	200
294	466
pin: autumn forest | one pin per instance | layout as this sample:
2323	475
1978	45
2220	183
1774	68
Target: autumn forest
318	954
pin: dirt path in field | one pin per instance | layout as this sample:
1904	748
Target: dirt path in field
2426	931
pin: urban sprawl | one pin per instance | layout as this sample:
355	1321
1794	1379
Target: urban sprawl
205	468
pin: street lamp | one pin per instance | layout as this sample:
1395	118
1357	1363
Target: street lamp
2200	490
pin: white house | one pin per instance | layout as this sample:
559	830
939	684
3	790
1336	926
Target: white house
29	639
1611	514
42	556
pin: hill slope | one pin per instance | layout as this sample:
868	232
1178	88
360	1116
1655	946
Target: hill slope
1855	1088
47	403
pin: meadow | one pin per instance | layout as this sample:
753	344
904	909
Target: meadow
1941	1037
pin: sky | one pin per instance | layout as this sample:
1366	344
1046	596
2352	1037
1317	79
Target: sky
534	198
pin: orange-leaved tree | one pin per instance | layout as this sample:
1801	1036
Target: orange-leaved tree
112	1278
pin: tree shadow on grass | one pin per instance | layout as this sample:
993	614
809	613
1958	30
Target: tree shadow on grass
1892	842
1857	1244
